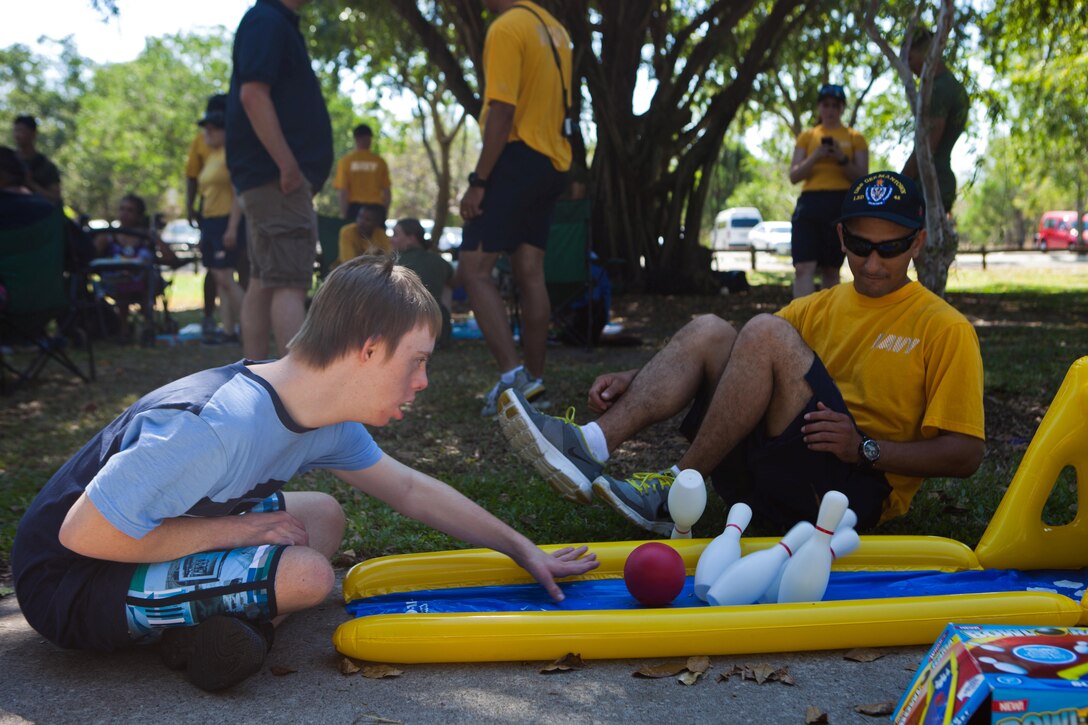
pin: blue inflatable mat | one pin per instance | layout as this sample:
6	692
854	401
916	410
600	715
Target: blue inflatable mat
613	594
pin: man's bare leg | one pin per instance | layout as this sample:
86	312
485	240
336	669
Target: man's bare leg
287	309
697	353
256	320
536	309
763	384
474	267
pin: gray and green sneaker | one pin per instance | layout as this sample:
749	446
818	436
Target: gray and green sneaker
554	446
642	499
531	388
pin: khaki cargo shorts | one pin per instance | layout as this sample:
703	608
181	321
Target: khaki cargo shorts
282	233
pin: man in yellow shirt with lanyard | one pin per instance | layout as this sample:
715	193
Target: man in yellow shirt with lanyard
866	388
519	176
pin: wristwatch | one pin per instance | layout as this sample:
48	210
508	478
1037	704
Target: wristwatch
475	180
868	452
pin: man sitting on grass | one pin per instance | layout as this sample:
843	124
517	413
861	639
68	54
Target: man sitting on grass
866	389
172	523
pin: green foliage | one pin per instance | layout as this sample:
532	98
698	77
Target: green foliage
48	87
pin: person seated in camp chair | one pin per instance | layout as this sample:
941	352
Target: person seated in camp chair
866	389
172	525
414	251
136	246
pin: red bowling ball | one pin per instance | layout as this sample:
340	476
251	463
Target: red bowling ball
654	574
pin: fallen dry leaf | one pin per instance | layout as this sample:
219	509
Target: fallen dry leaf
863	654
815	716
698	664
665	669
347	667
688	677
281	670
782	674
759	673
876	709
569	661
377	672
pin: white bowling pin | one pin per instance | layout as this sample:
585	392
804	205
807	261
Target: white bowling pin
805	576
745	579
842	543
723	550
687	500
849	521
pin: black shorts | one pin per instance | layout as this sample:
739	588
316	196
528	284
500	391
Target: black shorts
213	255
517	208
780	477
814	236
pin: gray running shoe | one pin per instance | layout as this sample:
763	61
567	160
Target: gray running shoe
531	388
642	499
554	446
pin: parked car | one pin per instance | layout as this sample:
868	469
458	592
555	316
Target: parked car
732	226
772	237
182	237
1056	230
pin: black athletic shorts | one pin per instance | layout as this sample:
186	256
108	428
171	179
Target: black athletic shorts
780	478
521	193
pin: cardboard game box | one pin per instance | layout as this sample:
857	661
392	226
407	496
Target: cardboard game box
1001	674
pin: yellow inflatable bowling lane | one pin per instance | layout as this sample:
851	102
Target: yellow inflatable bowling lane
1016	538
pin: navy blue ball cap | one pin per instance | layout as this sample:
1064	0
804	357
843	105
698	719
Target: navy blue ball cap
886	195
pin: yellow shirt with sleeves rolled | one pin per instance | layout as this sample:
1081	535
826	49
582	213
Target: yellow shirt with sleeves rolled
364	174
213	184
352	244
907	364
827	174
198	154
520	69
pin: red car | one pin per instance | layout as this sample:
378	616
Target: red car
1056	230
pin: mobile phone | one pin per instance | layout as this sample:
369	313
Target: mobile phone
827	141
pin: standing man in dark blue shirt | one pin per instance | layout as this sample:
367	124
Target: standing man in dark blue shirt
279	152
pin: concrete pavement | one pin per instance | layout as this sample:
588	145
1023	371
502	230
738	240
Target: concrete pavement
41	683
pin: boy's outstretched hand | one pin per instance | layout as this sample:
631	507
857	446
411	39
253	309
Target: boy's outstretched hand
568	561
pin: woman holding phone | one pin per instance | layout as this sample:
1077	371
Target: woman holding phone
827	158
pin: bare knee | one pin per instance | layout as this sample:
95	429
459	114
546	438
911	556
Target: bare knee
321	516
304	579
776	340
707	331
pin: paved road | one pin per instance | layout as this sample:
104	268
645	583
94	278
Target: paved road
41	683
1066	261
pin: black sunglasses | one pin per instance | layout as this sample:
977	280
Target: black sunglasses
886	249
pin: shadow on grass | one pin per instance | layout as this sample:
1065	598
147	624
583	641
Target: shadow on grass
1028	342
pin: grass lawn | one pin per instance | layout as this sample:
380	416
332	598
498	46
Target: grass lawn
1032	327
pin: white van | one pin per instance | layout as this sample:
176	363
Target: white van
732	226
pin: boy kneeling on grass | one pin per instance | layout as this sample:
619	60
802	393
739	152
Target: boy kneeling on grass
171	525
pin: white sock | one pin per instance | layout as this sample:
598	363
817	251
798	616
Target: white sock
508	376
594	436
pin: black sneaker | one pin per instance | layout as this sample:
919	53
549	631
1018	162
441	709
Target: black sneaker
217	653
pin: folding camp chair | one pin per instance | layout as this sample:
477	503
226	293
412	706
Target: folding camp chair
37	294
569	275
328	235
